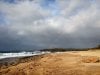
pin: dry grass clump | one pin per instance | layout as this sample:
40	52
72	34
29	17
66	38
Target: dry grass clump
90	59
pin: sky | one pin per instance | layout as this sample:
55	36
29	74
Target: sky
39	24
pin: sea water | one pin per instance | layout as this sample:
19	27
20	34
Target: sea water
21	54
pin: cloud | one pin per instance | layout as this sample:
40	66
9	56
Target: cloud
28	24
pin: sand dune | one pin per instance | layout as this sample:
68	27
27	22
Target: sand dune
63	63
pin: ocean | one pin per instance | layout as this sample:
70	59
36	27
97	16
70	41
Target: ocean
21	54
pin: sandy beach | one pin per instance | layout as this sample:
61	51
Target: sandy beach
58	63
49	37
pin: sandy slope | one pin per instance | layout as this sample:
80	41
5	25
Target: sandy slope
64	63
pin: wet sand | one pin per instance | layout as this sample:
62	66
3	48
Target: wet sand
62	63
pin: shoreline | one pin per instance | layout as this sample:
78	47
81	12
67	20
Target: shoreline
12	61
60	63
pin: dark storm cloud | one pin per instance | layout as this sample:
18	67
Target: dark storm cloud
64	23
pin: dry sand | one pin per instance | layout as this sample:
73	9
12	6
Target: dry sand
63	63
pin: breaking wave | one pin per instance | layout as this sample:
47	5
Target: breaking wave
20	54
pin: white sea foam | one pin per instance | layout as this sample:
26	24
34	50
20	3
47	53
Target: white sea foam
20	54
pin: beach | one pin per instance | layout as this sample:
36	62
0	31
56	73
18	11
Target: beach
57	63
